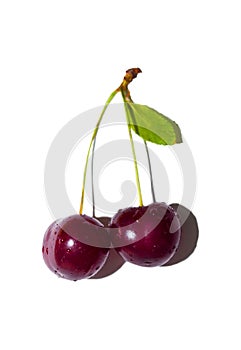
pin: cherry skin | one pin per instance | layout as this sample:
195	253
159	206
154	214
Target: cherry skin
75	247
147	235
189	236
114	260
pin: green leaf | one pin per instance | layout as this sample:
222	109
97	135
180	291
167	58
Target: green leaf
153	126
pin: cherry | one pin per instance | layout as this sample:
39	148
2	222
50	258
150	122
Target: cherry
189	236
113	262
146	235
75	247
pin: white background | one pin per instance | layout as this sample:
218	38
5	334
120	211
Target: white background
60	58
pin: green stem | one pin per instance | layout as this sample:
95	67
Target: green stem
127	98
130	75
133	149
150	172
110	98
92	178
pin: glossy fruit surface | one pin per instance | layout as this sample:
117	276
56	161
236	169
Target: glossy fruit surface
147	235
114	261
75	247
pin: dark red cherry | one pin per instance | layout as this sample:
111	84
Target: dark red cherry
114	260
147	235
189	236
75	247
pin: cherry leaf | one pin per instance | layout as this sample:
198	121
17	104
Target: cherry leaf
153	126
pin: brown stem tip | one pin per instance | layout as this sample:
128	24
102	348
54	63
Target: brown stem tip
131	74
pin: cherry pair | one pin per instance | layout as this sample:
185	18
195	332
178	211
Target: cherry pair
79	246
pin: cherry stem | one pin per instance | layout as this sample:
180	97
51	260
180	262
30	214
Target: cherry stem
123	88
110	98
125	96
92	178
150	172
